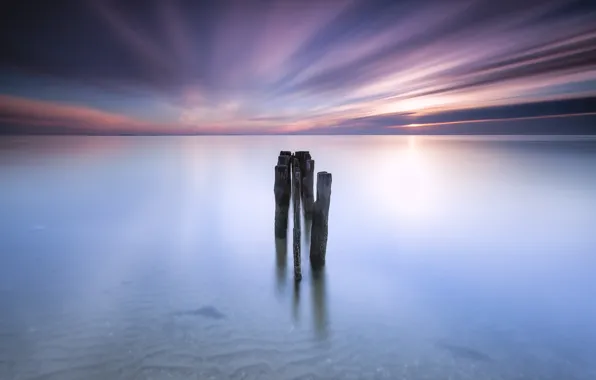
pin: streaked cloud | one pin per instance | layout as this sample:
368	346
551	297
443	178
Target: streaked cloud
20	111
286	66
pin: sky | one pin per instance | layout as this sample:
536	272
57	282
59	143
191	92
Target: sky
297	66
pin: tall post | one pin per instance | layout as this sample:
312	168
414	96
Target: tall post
296	186
301	156
282	192
320	227
286	156
283	160
308	196
286	160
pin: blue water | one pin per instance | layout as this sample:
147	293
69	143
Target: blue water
155	258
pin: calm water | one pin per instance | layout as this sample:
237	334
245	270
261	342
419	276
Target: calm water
154	258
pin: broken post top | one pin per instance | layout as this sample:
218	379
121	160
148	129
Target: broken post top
281	172
303	155
283	160
324	180
285	153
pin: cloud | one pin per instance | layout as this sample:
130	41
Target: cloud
22	115
26	113
288	65
25	116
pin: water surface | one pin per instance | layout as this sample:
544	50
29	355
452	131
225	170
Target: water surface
155	258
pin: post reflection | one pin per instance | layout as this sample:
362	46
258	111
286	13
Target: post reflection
296	303
281	263
319	301
307	223
318	290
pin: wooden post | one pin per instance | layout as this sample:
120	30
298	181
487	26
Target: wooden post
307	156
286	156
308	196
319	232
300	155
296	185
286	160
283	160
307	168
282	192
303	156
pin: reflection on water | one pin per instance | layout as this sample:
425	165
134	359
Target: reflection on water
307	224
135	258
296	303
319	301
281	263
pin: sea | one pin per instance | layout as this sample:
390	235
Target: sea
448	257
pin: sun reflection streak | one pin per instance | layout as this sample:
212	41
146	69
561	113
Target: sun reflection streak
410	191
194	176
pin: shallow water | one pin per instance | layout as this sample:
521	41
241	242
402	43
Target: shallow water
154	258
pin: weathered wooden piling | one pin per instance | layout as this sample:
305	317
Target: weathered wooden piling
294	180
282	192
283	160
296	186
306	164
308	196
286	160
303	156
320	227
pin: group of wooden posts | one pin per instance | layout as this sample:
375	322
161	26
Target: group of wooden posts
294	180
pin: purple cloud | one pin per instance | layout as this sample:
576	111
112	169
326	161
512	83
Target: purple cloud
290	65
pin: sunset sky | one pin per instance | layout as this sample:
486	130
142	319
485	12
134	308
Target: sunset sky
246	66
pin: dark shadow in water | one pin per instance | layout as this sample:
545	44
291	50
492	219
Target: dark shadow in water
296	303
205	311
463	352
319	299
281	263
